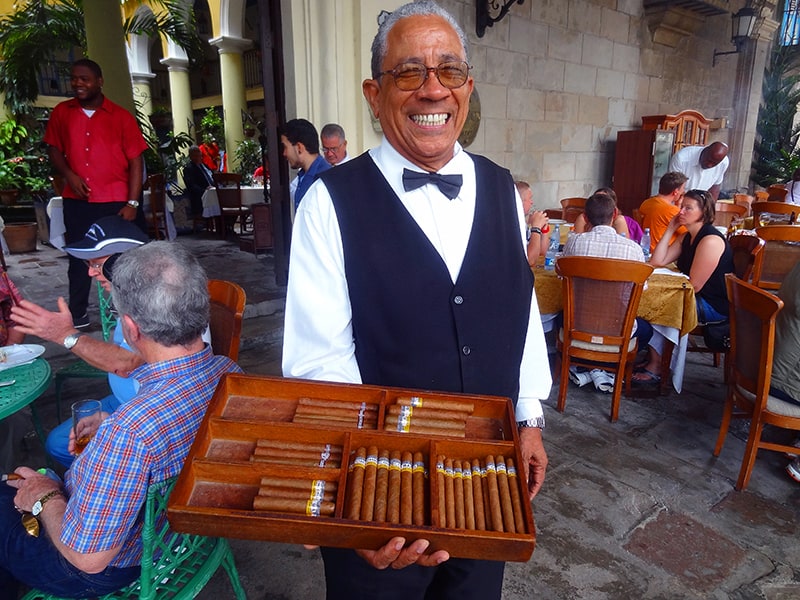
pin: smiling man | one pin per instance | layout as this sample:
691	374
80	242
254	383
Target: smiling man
417	277
96	146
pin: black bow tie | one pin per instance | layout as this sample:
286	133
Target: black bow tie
449	185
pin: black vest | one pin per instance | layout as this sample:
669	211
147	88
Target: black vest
412	327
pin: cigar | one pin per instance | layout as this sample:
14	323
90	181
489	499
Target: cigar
418	484
370	475
381	486
406	491
516	497
495	511
505	495
356	482
477	494
467	407
431	413
302	446
423	430
297	484
469	503
323	419
449	494
327	452
310	508
300	462
302	409
393	503
10	477
440	488
406	419
326	495
357	406
458	486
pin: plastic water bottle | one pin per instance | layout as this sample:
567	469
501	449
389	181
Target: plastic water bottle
552	249
646	244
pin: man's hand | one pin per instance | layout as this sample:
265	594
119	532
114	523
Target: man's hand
78	185
51	326
127	212
31	487
395	556
534	458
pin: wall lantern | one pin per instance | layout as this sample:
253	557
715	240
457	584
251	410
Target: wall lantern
490	12
742	25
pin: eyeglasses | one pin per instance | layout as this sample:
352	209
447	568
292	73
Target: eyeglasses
411	76
332	149
97	266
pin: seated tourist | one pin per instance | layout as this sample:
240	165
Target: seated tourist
705	256
657	211
602	241
90	541
536	221
620	223
9	335
786	356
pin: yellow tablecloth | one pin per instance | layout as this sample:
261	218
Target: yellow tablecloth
667	301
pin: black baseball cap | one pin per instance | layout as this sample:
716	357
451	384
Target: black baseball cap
107	236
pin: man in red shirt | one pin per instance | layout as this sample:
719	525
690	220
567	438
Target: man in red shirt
97	148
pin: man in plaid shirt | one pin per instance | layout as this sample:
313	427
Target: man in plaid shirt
91	524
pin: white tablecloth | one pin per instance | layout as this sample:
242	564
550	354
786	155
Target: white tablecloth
55	210
250	195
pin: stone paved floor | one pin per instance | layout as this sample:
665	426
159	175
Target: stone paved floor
635	509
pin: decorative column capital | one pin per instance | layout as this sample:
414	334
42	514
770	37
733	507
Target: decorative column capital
137	77
176	64
227	44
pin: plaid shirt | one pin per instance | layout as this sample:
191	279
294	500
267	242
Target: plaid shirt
145	440
603	242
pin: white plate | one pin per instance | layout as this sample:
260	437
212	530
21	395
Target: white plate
556	221
19	354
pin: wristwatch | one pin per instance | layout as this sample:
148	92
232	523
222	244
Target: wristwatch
537	422
72	339
38	506
133	203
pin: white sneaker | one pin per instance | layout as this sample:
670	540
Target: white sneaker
793	469
603	380
793	455
579	378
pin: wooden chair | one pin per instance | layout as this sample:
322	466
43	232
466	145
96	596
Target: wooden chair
156	216
725	212
777	193
174	565
744	200
227	307
775	208
780	254
761	195
571	208
753	314
601	297
229	195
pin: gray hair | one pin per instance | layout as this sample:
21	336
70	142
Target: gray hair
332	129
163	288
424	8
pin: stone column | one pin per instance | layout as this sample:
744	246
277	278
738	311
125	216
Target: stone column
179	93
233	92
142	94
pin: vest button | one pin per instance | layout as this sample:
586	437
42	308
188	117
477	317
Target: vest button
465	350
458	300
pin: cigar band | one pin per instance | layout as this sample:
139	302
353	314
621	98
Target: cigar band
405	412
405	465
312	507
419	467
440	467
360	461
512	471
448	471
317	488
416	401
457	472
490	468
372	460
466	474
395	464
383	462
501	468
476	471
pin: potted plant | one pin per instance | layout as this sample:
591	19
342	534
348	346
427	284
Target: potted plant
248	159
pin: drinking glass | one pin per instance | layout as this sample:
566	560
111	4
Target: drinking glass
86	419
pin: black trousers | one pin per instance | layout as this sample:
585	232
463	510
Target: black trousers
79	215
349	577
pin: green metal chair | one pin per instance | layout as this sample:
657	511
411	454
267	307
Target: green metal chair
174	565
80	368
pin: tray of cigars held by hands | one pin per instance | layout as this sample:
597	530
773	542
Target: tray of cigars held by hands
352	466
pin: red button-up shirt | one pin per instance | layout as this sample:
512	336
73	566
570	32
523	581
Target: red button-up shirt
97	148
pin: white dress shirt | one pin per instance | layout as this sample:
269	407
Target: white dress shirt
318	336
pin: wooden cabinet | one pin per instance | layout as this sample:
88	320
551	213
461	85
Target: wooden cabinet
641	158
689	126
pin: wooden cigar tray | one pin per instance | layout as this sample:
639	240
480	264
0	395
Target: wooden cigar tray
215	491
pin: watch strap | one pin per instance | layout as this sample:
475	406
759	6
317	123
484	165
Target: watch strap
133	203
45	499
72	339
537	422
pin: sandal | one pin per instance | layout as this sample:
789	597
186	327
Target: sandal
649	379
579	378
603	381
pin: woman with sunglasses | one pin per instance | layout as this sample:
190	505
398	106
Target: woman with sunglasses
705	256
